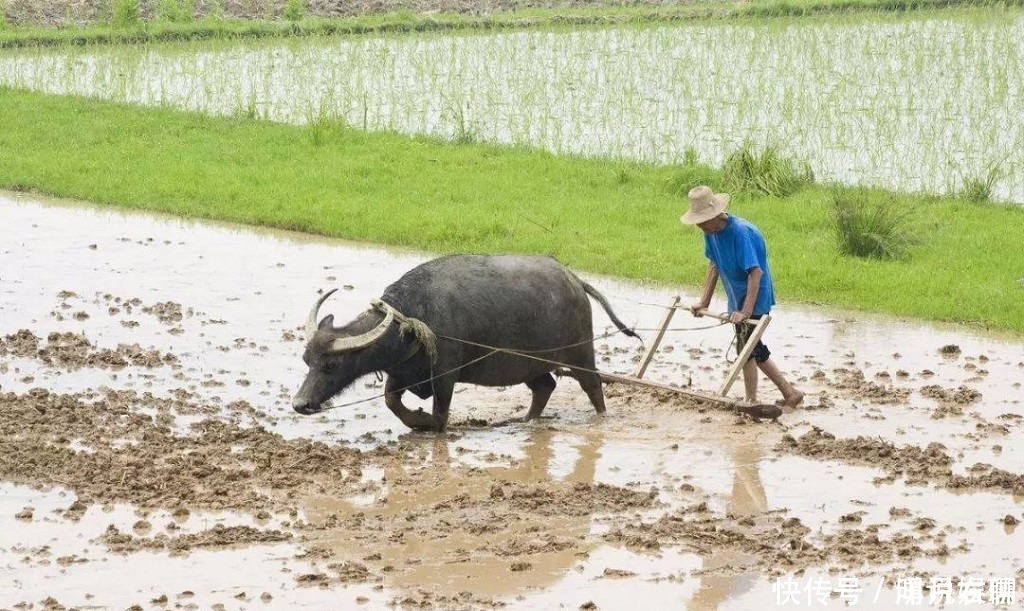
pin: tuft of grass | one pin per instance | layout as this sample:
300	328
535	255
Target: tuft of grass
869	227
978	189
691	174
294	10
175	11
766	172
321	124
465	132
125	14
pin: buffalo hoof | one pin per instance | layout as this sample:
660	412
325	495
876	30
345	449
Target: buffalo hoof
418	420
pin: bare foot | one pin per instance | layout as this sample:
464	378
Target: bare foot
792	400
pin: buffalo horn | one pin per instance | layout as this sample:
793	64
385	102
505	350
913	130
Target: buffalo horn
343	344
311	323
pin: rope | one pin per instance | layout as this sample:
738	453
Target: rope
428	339
405	388
419	329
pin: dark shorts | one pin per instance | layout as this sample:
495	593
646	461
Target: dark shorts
761	352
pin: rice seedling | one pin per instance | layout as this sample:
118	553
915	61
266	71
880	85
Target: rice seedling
832	94
767	171
869	227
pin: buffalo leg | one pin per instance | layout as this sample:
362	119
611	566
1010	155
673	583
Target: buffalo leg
418	419
444	388
542	387
591	384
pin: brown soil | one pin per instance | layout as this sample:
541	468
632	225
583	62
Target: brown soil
125	446
137	459
217	537
74	351
929	465
778	544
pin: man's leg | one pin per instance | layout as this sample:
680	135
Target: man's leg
750	380
791	397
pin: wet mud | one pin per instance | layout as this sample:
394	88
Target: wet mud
146	427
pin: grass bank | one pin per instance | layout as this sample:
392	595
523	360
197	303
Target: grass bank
218	28
602	216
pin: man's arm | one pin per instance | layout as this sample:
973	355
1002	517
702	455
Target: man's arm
709	290
753	286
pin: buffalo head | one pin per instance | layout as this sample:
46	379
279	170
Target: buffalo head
337	356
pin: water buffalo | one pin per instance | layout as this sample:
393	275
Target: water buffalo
525	303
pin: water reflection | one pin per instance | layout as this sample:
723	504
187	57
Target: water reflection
722	574
425	560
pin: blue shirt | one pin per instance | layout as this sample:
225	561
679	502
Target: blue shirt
735	250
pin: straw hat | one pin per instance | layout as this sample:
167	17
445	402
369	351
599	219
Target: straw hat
705	205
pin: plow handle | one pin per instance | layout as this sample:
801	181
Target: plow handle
725	317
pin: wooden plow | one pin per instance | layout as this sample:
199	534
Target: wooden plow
636	379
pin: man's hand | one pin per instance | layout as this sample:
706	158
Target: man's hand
696	308
739	316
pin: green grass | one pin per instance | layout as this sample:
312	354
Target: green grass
126	14
764	171
294	10
212	26
871	225
979	189
610	217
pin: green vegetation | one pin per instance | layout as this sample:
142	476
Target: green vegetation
213	26
978	189
294	10
764	171
175	11
568	90
126	14
870	225
602	216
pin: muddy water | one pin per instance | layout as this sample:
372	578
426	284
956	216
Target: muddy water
665	502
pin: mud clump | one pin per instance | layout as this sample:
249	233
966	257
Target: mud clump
929	465
166	312
23	344
463	601
779	544
219	536
986	476
579	500
959	396
74	351
853	382
351	572
916	465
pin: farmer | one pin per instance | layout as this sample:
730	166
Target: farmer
736	252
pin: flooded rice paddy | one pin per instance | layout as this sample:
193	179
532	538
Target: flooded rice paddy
149	457
921	103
